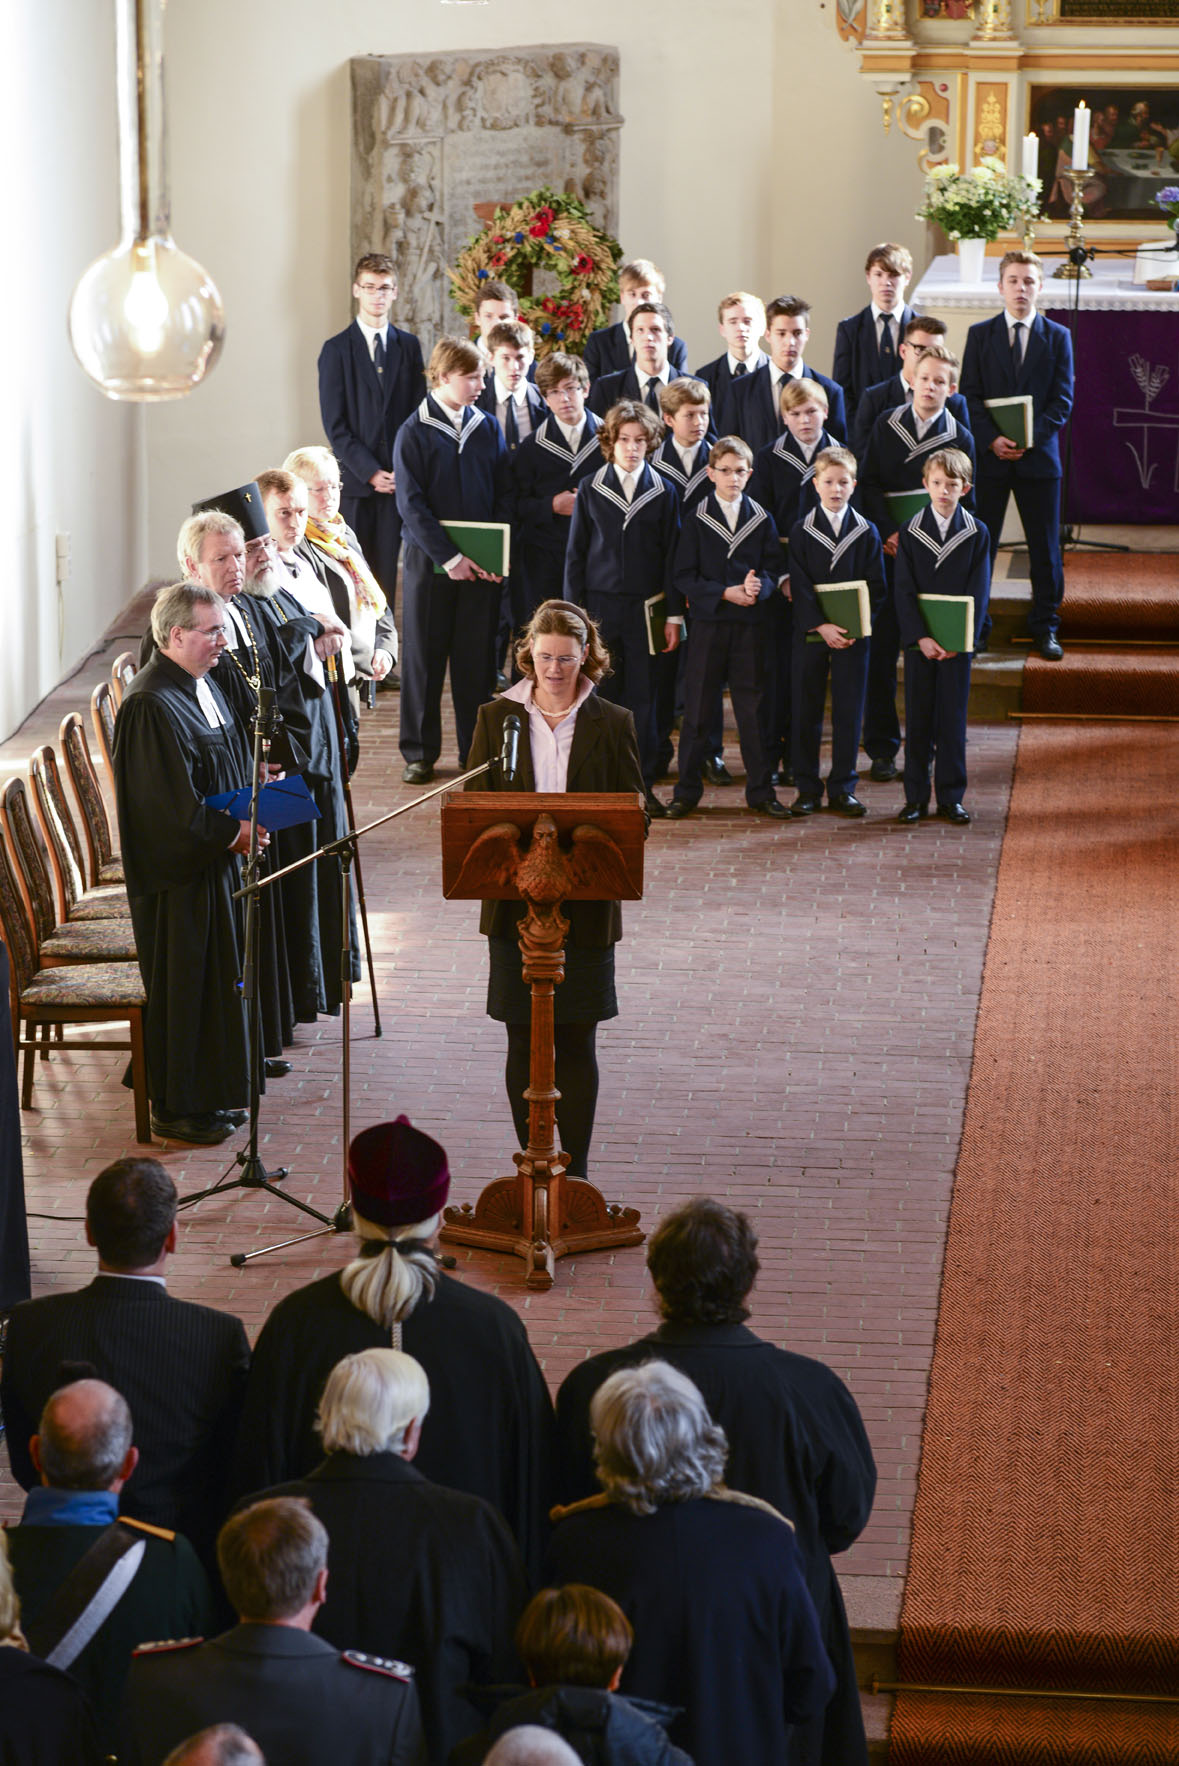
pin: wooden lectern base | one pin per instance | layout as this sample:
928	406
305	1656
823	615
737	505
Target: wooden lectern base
541	1218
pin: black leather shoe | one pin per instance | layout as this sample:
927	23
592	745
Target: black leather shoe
883	771
844	804
418	772
655	806
276	1069
207	1130
235	1118
806	806
771	807
1049	647
783	776
716	772
677	809
953	812
913	812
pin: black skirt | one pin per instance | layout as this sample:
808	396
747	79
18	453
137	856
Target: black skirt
586	996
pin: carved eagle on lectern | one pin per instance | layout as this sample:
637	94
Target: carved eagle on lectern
541	869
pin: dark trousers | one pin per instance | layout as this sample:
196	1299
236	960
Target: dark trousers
882	729
776	712
733	650
1038	502
576	1080
848	671
622	620
670	673
442	622
376	522
936	698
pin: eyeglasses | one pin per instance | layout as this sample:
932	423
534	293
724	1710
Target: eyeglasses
546	661
209	631
378	287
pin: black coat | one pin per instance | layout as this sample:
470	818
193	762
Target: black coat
361	410
181	1368
302	1701
431	1576
796	1439
602	1728
490	1426
44	1718
724	1626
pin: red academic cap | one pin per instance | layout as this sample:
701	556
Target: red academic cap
397	1174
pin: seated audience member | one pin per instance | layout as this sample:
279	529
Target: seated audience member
301	1700
574	1643
652	333
867	346
148	1582
671	1543
181	1367
531	1747
420	1572
45	1718
609	349
921	331
547	470
741	321
334	553
795	1435
224	1744
753	408
489	1431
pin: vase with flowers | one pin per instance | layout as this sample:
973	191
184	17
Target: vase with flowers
973	208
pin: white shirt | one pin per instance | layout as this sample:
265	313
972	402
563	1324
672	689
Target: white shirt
550	743
835	519
808	454
754	362
731	510
1026	323
371	334
627	480
943	527
923	425
520	399
642	376
878	318
686	455
301	581
126	1275
208	704
572	436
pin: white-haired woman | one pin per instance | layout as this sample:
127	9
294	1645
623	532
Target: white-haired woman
711	1580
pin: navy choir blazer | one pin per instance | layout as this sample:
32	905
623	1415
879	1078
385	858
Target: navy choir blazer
895	460
1046	372
710	558
624	385
718	378
857	364
537	409
607	351
543	466
816	556
885	396
362	411
928	565
689	487
749	409
618	548
442	477
784	480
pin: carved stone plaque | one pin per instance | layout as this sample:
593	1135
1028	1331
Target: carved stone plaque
432	136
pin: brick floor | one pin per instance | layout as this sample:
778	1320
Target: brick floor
798	1007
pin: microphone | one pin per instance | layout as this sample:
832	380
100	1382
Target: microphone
510	753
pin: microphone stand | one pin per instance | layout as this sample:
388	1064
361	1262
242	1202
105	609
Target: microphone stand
342	741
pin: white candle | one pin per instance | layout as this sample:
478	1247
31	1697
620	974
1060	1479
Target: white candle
1031	158
1081	137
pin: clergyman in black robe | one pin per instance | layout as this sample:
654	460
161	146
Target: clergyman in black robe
796	1438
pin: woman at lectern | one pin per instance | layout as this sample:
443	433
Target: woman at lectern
572	740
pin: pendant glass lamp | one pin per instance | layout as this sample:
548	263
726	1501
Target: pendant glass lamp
146	321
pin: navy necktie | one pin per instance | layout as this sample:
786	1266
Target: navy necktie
379	354
888	353
511	427
739	370
651	397
1017	347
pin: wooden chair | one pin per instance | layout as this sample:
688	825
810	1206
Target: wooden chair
105	864
102	716
89	993
123	671
74	900
71	941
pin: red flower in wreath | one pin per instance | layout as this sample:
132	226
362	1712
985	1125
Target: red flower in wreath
582	265
542	220
499	260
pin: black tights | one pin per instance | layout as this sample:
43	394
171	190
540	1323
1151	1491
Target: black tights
577	1082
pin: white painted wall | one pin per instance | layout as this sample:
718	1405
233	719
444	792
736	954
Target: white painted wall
69	459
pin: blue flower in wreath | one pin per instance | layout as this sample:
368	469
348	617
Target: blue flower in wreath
517	237
546	328
482	275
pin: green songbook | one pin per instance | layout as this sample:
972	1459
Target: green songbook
903	505
656	610
486	543
845	604
1013	418
949	620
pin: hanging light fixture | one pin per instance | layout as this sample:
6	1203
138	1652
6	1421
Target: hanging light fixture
146	321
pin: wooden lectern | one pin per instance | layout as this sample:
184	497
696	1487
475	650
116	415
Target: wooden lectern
543	849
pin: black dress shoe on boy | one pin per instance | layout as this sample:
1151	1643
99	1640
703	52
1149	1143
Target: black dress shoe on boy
418	772
806	806
883	771
771	807
844	804
913	812
276	1069
655	806
1049	647
716	772
677	809
953	812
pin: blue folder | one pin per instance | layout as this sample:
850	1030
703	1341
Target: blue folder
283	803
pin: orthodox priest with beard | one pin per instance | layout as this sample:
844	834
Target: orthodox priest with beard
177	743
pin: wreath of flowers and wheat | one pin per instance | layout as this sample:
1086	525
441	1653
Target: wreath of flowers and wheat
550	232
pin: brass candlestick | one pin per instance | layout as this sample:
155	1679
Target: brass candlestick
1075	237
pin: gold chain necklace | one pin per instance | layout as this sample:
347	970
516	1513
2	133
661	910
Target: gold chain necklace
254	679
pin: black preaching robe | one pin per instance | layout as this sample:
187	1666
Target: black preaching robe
796	1439
724	1626
489	1430
428	1576
180	881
